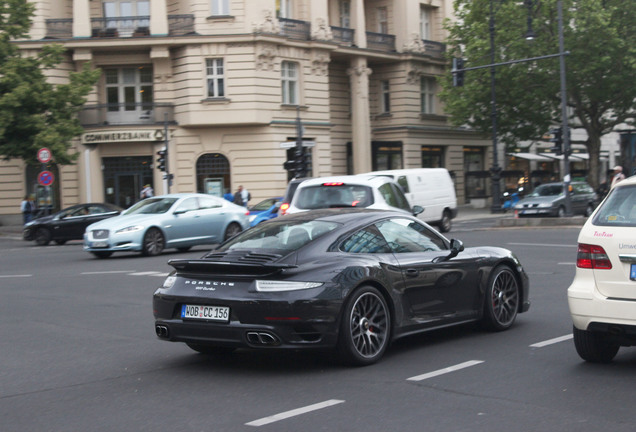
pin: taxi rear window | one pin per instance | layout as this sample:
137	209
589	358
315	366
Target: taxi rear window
619	209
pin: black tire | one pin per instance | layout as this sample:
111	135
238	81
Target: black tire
232	230
560	212
153	243
60	242
501	303
594	347
42	236
102	254
211	349
365	328
445	224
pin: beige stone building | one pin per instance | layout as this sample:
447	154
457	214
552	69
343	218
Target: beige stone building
228	79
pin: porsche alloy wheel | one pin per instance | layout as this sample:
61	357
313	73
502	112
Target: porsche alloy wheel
153	242
365	328
502	299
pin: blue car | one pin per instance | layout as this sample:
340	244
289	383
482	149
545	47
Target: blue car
264	210
177	221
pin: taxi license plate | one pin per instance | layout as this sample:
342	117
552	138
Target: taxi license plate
632	273
210	313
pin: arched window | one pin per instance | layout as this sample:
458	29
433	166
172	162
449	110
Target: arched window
213	174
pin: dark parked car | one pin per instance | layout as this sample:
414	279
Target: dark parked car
346	279
549	200
67	224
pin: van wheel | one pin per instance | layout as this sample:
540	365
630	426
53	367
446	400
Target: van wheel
445	223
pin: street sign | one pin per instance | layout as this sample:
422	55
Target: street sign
44	155
45	178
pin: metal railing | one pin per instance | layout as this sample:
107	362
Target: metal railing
435	49
59	28
295	29
141	113
133	26
342	35
381	41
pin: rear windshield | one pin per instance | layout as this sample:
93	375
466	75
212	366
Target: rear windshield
619	209
332	196
279	235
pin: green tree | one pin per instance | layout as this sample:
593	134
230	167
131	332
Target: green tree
33	112
600	69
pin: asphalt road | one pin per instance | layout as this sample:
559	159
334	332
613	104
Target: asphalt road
78	353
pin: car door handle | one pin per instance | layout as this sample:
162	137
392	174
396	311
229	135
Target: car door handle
412	272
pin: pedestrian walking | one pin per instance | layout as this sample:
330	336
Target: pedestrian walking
27	207
618	175
146	192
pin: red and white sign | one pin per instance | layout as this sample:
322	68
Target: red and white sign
44	155
45	178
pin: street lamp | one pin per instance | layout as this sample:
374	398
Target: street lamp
495	169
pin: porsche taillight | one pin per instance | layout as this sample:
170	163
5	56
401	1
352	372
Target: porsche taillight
592	257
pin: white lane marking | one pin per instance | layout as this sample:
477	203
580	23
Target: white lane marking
552	341
16	276
294	412
108	272
544	245
445	370
148	273
567	263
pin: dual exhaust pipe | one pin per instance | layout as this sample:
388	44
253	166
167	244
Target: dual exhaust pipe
260	338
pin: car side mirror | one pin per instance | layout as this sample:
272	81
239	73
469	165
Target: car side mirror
417	210
456	246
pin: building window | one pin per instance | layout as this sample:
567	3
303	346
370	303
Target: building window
284	8
427	95
289	82
129	94
425	23
345	13
213	174
432	157
386	155
385	93
215	77
220	7
116	10
383	20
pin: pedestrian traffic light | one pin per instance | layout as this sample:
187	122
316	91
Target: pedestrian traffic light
458	72
557	140
161	160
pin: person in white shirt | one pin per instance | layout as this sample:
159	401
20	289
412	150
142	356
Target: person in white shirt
618	175
146	192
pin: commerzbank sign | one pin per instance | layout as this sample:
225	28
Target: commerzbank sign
113	136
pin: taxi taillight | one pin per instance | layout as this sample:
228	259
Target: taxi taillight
592	257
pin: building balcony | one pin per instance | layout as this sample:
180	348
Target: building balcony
342	35
295	29
133	26
141	113
434	49
381	42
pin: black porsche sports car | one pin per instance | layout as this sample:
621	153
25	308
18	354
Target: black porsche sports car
67	224
348	279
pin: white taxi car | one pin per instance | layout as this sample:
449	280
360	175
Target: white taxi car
602	297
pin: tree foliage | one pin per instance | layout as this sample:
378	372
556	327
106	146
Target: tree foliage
600	36
33	112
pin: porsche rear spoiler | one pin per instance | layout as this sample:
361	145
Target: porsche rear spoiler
223	267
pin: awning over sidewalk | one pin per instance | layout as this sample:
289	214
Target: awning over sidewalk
531	157
575	157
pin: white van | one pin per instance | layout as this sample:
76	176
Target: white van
430	188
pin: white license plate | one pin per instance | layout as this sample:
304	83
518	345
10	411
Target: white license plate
211	313
100	244
529	211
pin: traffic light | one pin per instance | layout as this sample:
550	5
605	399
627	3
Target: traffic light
291	165
458	72
557	140
161	160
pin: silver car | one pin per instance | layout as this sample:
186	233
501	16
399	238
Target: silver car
168	221
549	200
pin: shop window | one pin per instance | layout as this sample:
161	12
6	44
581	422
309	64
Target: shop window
386	155
432	156
213	174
